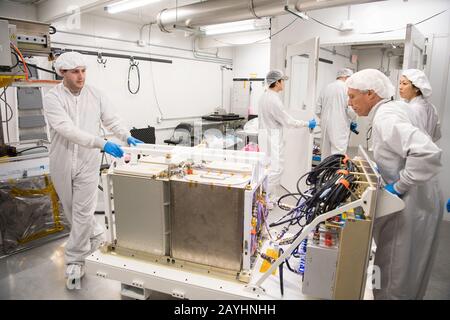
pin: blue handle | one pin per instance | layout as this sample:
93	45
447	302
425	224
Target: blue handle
448	205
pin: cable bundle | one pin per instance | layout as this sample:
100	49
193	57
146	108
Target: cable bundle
259	217
331	183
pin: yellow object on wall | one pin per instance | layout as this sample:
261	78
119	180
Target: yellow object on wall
6	80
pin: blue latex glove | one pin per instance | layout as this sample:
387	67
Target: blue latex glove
390	187
113	149
448	205
312	124
353	126
133	141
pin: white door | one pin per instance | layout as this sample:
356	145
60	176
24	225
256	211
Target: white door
300	99
414	48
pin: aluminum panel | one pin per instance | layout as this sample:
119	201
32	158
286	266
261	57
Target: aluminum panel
320	272
140	215
5	51
29	98
33	135
207	224
26	122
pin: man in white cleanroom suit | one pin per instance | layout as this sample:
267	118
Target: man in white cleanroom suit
415	88
408	161
336	117
75	112
272	119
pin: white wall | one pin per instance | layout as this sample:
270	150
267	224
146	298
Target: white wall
252	61
187	88
444	143
327	72
371	58
386	15
17	10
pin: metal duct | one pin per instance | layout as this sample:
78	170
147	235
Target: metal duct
222	11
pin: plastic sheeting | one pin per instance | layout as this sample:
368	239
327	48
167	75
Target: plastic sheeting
30	213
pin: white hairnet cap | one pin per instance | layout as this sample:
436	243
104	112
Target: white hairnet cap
345	72
420	80
372	79
274	76
68	61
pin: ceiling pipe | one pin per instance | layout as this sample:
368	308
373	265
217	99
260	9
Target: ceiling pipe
193	16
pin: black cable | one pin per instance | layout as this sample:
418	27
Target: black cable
104	157
285	196
431	17
269	37
132	66
326	191
335	28
32	148
7	106
42	69
368	137
312	175
280	271
324	24
288	264
17	60
152	75
6	115
377	32
279	31
30	74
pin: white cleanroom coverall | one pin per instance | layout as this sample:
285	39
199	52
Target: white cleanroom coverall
75	123
335	118
426	117
272	119
407	240
424	111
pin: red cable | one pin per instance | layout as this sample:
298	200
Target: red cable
26	68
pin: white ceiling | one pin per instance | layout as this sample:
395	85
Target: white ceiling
143	14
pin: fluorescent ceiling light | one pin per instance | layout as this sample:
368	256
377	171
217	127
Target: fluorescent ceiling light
238	26
127	5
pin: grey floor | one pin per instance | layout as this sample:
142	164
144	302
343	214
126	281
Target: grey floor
439	285
38	273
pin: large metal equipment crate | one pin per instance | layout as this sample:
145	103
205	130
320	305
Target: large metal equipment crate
196	277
